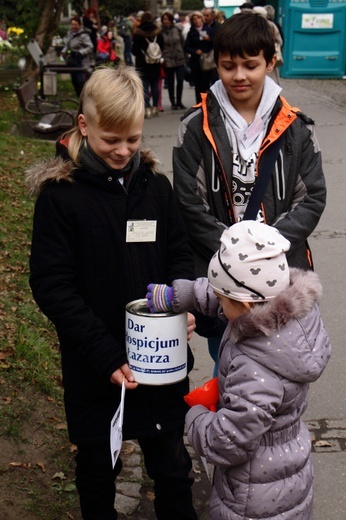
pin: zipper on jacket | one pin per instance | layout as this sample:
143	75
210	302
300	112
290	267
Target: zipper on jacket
215	181
226	190
280	177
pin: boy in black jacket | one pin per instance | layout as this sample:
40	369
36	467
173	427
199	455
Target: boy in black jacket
85	269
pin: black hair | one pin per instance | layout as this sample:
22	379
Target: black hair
147	17
76	19
245	34
247	5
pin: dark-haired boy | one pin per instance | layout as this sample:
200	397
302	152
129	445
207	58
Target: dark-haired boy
243	130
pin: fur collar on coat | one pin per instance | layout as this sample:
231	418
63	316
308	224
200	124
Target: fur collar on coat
57	169
147	30
304	291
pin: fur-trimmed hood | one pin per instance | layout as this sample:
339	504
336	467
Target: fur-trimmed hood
58	169
147	30
285	329
304	291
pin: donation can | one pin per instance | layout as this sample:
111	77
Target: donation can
156	344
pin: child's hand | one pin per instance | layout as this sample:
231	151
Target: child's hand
160	297
191	325
124	373
207	395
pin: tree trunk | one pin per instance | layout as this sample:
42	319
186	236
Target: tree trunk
48	24
50	21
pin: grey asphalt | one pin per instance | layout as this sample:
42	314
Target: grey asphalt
326	413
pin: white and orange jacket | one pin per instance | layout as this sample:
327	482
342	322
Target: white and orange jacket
202	161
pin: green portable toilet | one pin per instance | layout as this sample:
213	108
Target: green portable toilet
315	38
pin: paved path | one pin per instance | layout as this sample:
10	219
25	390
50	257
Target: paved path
326	414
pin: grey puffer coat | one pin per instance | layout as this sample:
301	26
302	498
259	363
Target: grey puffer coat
257	441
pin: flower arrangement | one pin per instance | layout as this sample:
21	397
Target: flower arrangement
9	53
15	30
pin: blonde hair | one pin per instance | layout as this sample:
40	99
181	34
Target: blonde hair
113	97
197	14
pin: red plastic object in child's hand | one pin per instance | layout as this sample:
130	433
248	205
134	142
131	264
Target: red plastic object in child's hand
207	395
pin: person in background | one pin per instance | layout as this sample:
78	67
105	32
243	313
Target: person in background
198	40
174	59
219	16
186	25
147	32
245	7
124	28
271	17
90	22
274	74
79	52
242	129
213	24
119	45
274	346
84	271
106	47
162	79
136	21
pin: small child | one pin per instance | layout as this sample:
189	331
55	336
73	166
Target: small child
274	345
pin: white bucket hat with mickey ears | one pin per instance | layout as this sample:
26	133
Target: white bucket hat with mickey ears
251	264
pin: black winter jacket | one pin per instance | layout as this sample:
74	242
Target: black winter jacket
203	164
83	273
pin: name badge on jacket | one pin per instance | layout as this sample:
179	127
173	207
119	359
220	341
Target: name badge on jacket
141	231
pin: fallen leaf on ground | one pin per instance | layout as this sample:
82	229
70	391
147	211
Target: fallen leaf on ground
128	450
59	475
323	444
42	466
5	353
61	426
150	495
21	465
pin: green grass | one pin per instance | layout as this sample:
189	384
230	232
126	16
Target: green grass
32	420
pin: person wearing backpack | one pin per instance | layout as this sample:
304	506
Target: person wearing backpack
174	59
147	48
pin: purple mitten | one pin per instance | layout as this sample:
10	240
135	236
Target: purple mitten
160	297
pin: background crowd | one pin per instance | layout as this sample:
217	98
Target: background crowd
184	49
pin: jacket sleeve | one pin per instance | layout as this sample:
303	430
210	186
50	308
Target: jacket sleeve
137	46
309	197
231	435
53	280
86	46
204	230
194	295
